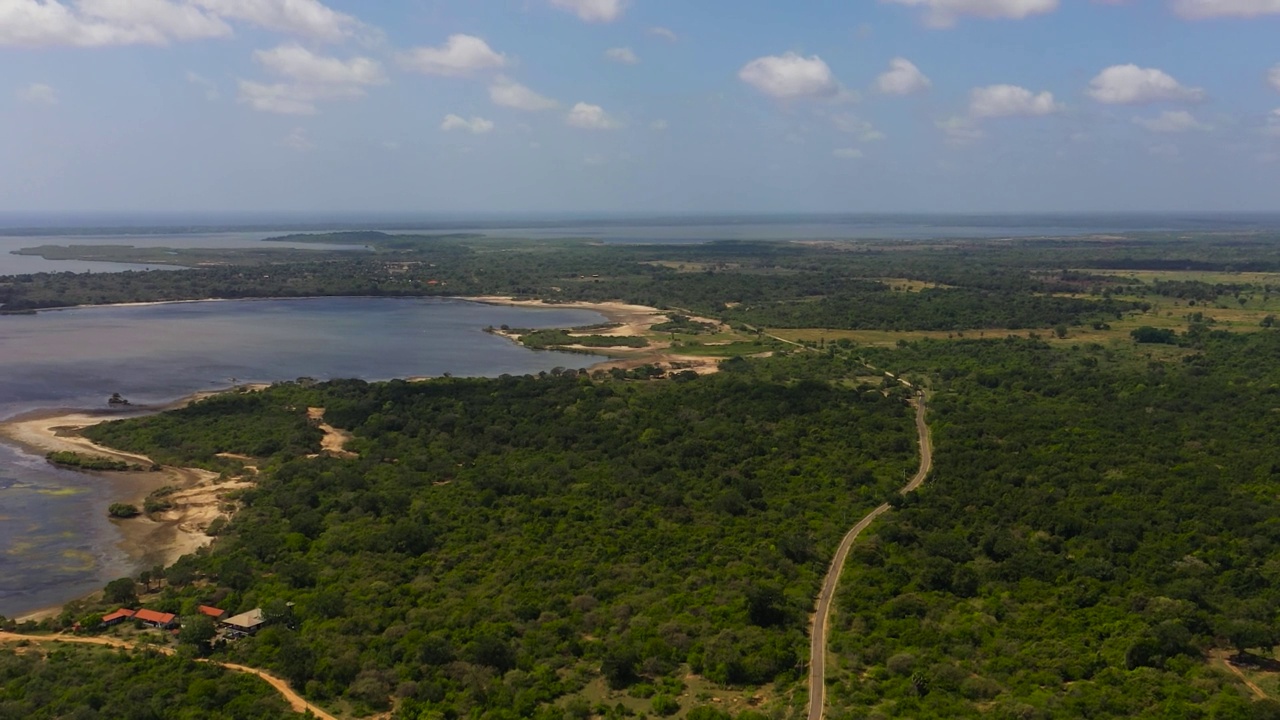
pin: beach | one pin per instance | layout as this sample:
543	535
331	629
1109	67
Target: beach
155	539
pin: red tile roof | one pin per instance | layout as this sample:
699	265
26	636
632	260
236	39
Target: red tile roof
212	612
117	615
152	616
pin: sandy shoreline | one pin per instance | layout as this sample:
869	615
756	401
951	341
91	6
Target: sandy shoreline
631	321
159	539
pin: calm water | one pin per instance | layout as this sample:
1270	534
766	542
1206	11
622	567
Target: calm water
55	541
11	264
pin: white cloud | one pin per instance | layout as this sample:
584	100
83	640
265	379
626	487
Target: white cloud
1274	77
944	13
303	66
292	99
299	140
1132	85
1010	101
591	117
1201	9
210	87
622	55
95	23
475	126
960	130
790	76
659	125
38	94
902	78
1172	121
509	93
593	11
854	125
311	78
664	33
460	55
847	153
308	18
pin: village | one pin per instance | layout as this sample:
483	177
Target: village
231	627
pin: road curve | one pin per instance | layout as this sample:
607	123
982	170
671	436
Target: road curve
295	700
822	613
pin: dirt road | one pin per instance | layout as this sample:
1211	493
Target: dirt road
294	699
818	635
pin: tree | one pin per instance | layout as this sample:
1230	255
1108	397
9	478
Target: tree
198	630
1268	321
123	511
121	592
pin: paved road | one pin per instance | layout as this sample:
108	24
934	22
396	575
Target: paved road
818	634
294	699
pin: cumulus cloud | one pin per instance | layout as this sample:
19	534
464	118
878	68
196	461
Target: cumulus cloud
1010	101
460	55
1202	9
664	33
1133	85
508	93
475	126
38	94
309	79
308	18
622	55
591	117
593	11
302	65
790	76
96	23
902	78
945	13
1172	121
847	153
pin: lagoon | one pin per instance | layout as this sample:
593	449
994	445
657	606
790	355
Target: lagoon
56	542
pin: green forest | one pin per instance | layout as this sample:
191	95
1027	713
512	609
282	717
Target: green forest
1098	537
79	683
501	543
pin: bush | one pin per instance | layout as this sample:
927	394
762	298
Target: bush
123	511
665	705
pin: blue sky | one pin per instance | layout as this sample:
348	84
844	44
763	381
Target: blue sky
639	105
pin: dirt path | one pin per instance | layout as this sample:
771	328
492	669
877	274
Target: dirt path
294	699
1222	660
335	440
822	613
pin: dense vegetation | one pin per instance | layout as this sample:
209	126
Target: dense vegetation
86	462
499	543
78	683
1095	526
244	423
977	285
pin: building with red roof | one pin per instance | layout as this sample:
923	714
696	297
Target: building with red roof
157	619
117	617
212	612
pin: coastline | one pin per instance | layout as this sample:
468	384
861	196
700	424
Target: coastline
158	539
162	538
632	321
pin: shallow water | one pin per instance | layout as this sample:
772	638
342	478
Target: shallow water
55	540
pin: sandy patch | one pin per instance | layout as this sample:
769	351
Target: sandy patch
335	440
158	539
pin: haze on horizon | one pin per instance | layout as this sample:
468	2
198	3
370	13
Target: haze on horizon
639	106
